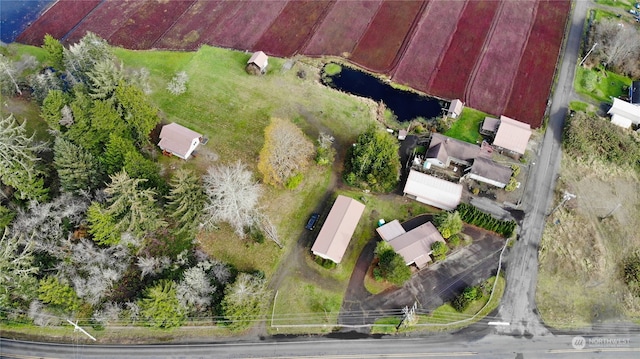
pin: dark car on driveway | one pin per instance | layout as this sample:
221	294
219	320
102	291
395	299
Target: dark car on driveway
313	220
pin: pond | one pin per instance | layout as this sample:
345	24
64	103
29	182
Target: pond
405	105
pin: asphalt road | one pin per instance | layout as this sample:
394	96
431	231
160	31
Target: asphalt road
450	346
518	303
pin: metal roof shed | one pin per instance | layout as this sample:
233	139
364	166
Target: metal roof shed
433	191
336	232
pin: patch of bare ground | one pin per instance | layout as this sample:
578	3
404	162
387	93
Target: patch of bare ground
583	244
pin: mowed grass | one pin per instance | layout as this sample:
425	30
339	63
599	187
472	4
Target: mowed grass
600	85
579	278
445	317
232	109
622	4
466	127
302	306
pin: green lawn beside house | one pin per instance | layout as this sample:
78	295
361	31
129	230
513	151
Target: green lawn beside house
466	127
599	84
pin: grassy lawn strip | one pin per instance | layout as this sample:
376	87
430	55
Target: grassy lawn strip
444	317
601	85
622	4
467	125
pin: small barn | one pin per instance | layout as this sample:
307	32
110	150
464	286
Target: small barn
257	64
335	234
455	108
179	140
487	171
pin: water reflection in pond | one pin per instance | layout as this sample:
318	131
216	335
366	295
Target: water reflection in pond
404	104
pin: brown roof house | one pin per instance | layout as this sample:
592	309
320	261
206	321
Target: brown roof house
487	171
336	232
433	191
414	246
455	108
512	136
257	63
179	140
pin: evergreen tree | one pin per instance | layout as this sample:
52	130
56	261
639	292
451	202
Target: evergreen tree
133	208
102	225
161	306
138	112
51	109
55	52
104	77
61	295
77	168
374	161
115	152
17	269
186	199
18	161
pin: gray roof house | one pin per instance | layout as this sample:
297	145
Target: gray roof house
335	234
179	140
488	171
443	150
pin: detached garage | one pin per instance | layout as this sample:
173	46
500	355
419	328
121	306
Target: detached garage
336	232
433	191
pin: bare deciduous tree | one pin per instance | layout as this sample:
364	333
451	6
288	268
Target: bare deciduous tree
16	268
195	289
618	45
232	196
286	152
8	77
178	84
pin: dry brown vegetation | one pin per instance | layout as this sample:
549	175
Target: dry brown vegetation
579	280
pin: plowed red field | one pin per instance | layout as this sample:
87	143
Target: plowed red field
450	78
339	32
293	27
492	79
57	21
427	54
386	34
497	56
535	74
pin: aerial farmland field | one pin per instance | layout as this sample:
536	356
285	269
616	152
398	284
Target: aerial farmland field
426	55
497	56
490	83
450	78
340	31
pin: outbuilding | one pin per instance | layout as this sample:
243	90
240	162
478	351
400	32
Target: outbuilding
257	63
336	232
433	191
179	140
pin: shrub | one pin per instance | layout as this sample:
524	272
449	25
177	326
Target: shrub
377	274
631	272
391	265
294	181
439	251
516	170
476	217
462	302
454	241
512	185
332	69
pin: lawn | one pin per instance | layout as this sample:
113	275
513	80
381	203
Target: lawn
599	84
445	317
622	4
466	127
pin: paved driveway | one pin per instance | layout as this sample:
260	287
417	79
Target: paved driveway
431	287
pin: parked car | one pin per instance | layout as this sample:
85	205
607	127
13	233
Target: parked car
633	12
313	220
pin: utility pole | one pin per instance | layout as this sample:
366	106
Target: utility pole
79	329
567	196
409	315
588	53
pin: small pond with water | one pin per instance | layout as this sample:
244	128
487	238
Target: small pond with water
405	105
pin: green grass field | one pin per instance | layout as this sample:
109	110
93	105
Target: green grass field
466	127
600	85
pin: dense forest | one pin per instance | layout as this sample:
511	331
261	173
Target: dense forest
92	229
